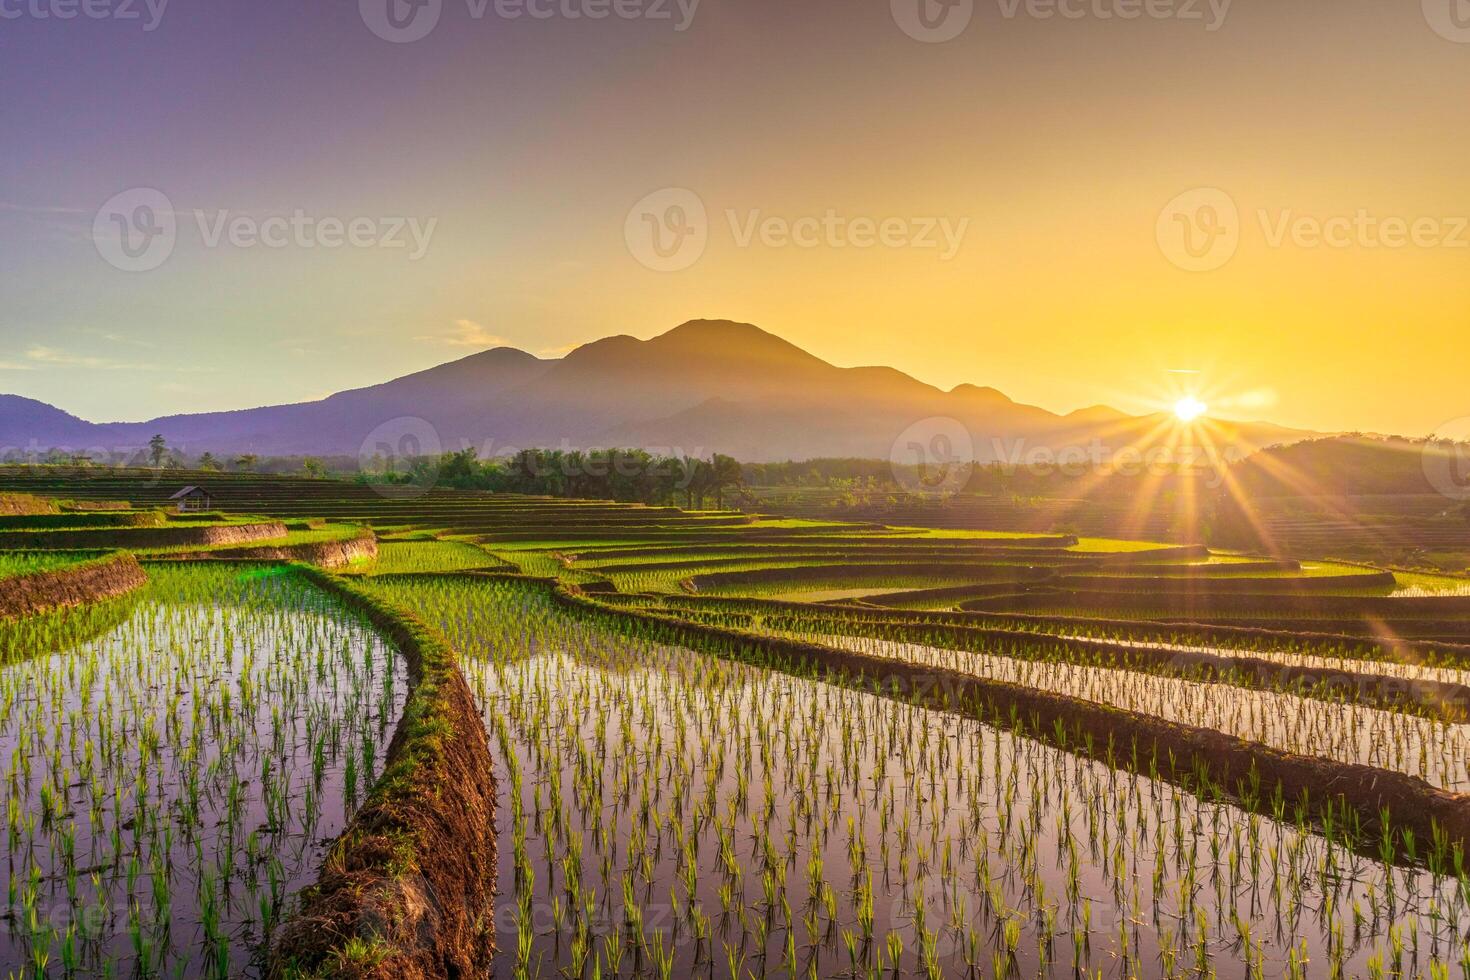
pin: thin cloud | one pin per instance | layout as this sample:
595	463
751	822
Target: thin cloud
13	366
51	357
466	333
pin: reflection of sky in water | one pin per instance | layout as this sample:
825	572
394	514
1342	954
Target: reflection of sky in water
1437	752
232	696
1000	836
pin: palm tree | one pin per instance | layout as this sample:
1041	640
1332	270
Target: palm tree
157	450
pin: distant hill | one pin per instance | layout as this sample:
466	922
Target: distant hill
1355	466
706	386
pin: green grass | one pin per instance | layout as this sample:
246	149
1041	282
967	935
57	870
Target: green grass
13	563
1113	546
429	556
1422	583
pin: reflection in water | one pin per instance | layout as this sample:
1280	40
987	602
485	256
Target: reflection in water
665	813
173	779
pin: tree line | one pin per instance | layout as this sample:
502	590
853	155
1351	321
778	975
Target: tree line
625	475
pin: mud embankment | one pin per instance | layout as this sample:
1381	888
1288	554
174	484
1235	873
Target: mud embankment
407	890
81	584
323	554
209	536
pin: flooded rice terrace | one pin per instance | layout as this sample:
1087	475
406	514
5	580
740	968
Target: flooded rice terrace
667	814
1433	750
171	779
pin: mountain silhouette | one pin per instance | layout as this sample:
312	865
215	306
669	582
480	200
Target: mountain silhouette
705	386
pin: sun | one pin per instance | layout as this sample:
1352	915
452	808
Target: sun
1189	408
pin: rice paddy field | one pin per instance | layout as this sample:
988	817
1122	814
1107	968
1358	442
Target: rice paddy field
733	745
171	769
24	563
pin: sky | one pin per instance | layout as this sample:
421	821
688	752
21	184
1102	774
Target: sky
219	205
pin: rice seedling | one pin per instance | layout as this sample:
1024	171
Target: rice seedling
660	797
173	765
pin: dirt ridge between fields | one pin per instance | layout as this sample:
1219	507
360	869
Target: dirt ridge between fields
81	584
323	554
407	890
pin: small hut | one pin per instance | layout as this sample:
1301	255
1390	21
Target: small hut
192	499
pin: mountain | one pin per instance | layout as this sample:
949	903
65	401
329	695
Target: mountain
706	386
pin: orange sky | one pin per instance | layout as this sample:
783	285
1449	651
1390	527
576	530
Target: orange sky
1057	143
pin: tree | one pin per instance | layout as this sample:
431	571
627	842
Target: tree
725	473
209	462
157	450
313	467
246	462
459	469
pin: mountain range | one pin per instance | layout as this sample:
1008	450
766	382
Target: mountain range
705	386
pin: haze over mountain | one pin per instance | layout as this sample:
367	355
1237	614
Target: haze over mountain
706	386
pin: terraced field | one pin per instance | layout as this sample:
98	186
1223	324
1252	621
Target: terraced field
171	777
732	745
